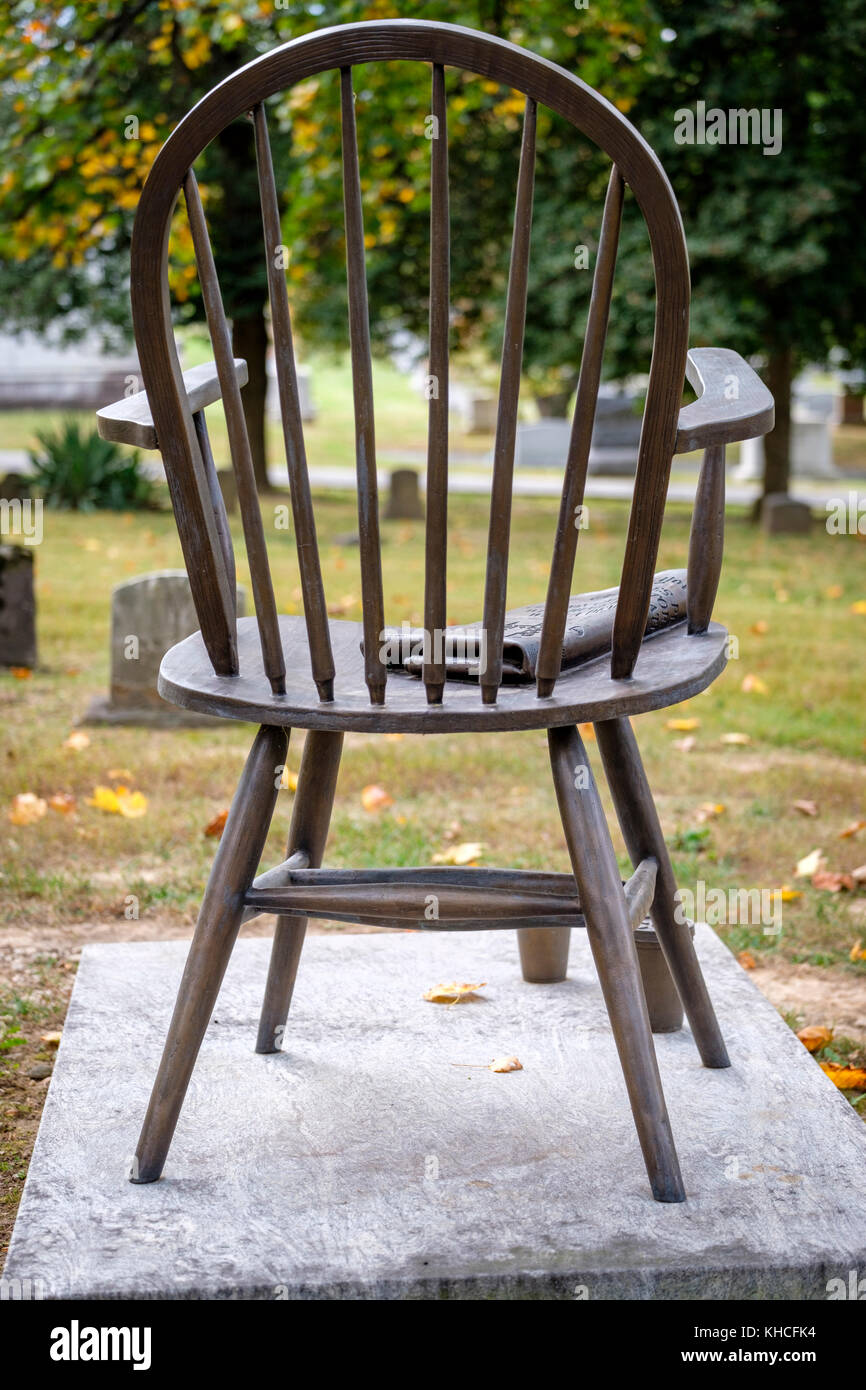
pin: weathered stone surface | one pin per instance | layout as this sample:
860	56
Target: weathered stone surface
404	498
17	607
782	514
370	1159
149	614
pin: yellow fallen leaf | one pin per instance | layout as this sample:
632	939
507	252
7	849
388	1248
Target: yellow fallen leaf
119	802
21	673
289	780
859	606
852	829
587	731
709	810
50	1039
506	1064
452	993
375	798
682	726
736	738
747	960
810	864
64	802
77	740
753	685
469	852
120	774
846	1078
857	952
760	627
786	894
806	808
834	591
814	1038
27	808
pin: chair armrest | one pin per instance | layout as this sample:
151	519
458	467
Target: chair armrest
130	421
715	418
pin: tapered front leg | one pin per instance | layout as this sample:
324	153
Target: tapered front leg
610	937
643	836
314	799
219	920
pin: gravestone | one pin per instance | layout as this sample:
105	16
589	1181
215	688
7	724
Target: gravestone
404	499
784	515
811	446
305	391
149	614
479	414
17	607
615	438
542	444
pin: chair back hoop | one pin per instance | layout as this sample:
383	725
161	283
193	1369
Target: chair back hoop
188	465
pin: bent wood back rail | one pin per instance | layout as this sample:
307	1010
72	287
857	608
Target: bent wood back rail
329	677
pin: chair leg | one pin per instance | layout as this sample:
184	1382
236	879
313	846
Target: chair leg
643	836
610	936
218	924
314	799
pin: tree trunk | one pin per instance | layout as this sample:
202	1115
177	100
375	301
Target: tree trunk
777	444
250	341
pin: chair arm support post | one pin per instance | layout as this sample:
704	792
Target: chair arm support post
707	540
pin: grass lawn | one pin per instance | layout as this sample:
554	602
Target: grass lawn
69	878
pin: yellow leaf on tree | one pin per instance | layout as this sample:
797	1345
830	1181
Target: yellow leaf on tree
814	1038
682	726
846	1078
452	993
810	864
27	808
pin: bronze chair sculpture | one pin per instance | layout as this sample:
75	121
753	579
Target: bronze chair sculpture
337	678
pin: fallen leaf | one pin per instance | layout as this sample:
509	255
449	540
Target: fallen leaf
77	740
21	673
833	882
682	726
392	738
709	810
760	627
736	738
587	731
50	1039
215	827
506	1064
846	1078
810	865
806	808
814	1037
857	952
375	798
453	992
834	591
747	960
852	829
753	685
466	853
120	802
859	606
685	745
289	780
343	605
859	874
64	802
27	808
120	774
786	894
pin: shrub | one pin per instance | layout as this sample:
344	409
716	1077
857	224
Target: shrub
77	470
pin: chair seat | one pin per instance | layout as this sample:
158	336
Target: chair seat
672	666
